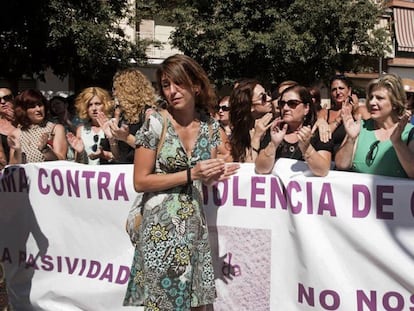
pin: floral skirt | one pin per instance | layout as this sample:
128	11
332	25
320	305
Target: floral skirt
172	266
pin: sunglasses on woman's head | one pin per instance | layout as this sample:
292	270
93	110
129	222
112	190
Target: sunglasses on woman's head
292	103
224	108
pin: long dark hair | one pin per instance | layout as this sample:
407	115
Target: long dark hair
241	118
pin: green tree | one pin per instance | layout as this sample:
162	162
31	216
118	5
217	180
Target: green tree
82	39
304	40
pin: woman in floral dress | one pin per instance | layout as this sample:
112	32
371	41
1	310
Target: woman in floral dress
172	267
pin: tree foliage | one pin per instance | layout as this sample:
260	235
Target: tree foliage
81	38
304	40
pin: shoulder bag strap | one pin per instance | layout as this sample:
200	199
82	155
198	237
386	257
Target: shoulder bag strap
163	132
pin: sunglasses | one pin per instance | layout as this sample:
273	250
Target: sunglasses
95	146
372	153
224	108
262	98
7	98
292	103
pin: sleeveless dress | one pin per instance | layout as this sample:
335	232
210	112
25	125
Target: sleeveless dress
29	140
377	157
172	266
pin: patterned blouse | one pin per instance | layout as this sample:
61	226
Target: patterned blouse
30	138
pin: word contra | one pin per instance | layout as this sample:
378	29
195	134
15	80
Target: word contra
74	182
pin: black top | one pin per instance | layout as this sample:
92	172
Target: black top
337	136
292	151
126	152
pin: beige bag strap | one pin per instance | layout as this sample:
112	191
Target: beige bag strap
163	113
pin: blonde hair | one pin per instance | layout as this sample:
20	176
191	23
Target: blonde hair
395	87
84	97
133	91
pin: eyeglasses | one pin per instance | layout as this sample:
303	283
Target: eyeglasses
6	98
224	108
372	153
262	98
95	146
292	103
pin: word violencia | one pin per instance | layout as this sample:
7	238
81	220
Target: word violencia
70	183
302	198
82	267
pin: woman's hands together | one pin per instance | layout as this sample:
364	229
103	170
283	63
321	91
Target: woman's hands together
212	170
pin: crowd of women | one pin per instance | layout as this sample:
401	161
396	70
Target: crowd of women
183	137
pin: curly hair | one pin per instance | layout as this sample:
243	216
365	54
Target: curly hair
241	118
396	92
133	92
27	99
186	72
84	97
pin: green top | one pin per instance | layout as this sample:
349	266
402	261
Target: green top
377	157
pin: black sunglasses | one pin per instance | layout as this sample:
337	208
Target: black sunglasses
7	98
262	98
372	153
95	146
292	103
224	108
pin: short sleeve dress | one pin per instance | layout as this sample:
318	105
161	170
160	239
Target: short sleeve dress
172	266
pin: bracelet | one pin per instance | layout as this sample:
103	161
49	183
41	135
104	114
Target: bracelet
189	181
255	150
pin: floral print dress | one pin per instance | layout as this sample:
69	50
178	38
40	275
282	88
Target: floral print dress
172	266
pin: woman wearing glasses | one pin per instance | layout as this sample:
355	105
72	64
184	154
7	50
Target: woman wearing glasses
222	114
90	143
292	135
383	144
251	114
6	119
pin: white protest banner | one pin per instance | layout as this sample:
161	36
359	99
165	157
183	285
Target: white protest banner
285	242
